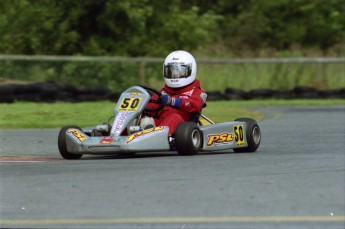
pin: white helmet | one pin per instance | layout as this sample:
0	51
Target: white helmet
179	69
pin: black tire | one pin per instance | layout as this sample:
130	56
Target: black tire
253	135
62	144
188	139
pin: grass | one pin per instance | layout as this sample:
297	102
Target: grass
45	115
248	76
213	76
281	76
56	115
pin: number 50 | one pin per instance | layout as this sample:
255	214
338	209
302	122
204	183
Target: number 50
239	137
129	104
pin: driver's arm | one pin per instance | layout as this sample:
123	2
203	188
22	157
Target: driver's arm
193	103
152	105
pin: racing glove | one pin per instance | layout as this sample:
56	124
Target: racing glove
168	100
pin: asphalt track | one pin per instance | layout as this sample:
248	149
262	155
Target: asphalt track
295	180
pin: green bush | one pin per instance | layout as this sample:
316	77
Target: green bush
154	28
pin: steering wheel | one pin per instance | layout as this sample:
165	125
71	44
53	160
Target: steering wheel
153	91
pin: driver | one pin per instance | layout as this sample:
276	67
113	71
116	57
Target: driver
182	94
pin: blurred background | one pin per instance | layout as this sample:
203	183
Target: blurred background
112	44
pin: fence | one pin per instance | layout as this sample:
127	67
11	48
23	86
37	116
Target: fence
223	78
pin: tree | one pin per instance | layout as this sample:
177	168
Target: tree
100	27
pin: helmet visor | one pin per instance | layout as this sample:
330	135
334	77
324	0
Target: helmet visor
177	70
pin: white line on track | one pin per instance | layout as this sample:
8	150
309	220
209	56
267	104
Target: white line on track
167	220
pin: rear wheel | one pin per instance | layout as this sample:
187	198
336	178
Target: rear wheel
188	138
62	144
253	135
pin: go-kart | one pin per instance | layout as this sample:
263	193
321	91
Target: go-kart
122	137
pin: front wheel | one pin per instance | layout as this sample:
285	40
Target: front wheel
188	139
253	135
62	144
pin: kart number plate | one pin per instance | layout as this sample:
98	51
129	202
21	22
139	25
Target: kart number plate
239	135
129	104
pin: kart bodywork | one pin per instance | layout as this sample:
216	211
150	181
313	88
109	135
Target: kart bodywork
241	135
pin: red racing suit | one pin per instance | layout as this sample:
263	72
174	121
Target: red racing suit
193	98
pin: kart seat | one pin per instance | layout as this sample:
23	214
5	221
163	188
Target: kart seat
195	117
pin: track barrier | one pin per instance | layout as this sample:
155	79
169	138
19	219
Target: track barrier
52	92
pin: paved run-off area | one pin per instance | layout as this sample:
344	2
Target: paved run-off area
295	180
